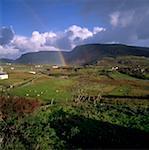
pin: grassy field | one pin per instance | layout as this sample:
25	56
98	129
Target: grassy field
117	75
46	88
63	84
88	107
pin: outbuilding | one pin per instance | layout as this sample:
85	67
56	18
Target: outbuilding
55	67
32	72
3	75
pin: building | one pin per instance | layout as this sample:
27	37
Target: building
3	75
12	68
38	66
55	67
32	72
114	68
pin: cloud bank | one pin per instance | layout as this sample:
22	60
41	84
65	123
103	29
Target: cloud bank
127	20
12	45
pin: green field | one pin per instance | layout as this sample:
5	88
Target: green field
74	107
63	84
46	88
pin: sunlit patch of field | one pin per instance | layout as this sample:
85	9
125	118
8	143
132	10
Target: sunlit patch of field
47	89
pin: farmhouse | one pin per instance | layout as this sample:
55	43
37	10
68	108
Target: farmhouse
3	75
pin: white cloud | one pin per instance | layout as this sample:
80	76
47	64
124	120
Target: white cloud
98	29
63	40
24	44
8	52
78	32
49	35
38	38
36	42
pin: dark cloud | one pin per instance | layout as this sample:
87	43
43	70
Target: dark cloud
63	43
104	7
6	35
126	20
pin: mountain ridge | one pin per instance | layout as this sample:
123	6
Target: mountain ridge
82	54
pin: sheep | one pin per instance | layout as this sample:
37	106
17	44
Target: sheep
27	94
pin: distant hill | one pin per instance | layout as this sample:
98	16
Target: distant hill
5	60
83	54
42	57
92	52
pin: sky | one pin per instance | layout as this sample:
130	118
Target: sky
47	25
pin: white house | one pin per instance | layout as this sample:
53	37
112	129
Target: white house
55	67
12	68
32	72
115	68
38	66
3	75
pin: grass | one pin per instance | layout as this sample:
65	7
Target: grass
63	88
118	75
46	88
15	78
121	91
70	122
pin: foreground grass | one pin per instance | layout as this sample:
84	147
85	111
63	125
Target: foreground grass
78	124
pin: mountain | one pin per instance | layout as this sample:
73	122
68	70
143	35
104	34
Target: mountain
5	60
42	57
83	54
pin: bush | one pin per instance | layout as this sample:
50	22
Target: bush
16	106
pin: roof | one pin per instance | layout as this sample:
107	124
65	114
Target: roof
3	73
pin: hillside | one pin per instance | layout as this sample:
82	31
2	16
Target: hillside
43	57
83	54
5	60
92	52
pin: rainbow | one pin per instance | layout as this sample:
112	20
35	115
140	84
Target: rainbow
36	17
62	59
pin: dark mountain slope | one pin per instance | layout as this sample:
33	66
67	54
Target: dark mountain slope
5	60
83	54
93	52
42	57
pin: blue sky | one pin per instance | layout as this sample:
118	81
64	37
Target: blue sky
28	15
37	25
